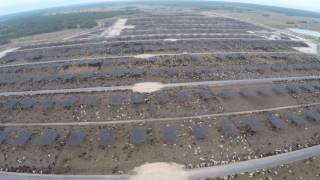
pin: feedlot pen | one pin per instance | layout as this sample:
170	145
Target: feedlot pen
78	131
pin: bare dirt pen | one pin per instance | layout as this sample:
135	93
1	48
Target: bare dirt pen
152	105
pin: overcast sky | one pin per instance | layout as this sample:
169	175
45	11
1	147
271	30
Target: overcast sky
11	6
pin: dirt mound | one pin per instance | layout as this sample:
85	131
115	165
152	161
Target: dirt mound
147	87
160	171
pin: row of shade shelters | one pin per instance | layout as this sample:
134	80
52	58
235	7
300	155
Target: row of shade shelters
169	134
162	97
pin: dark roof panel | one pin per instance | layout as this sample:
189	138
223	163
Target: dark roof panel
276	68
226	93
138	98
313	115
70	101
138	136
92	101
316	85
161	97
316	66
106	137
264	92
206	94
253	124
246	93
11	104
115	100
23	138
251	69
172	72
28	103
184	95
295	119
155	72
276	122
48	137
278	89
200	131
169	134
3	136
308	88
76	138
294	89
228	128
48	103
67	77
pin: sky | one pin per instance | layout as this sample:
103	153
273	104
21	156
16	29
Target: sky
12	6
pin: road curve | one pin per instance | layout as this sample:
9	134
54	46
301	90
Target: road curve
253	165
193	174
164	86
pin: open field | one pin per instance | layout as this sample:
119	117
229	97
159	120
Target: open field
275	20
18	25
231	91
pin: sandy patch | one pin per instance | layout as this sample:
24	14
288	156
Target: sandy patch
147	87
5	52
129	27
160	171
172	40
144	56
312	49
274	37
116	28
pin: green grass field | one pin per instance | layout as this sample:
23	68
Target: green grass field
32	23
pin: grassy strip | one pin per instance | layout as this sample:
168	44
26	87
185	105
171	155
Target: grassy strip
31	23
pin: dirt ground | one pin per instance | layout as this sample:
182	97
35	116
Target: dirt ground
217	148
91	158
